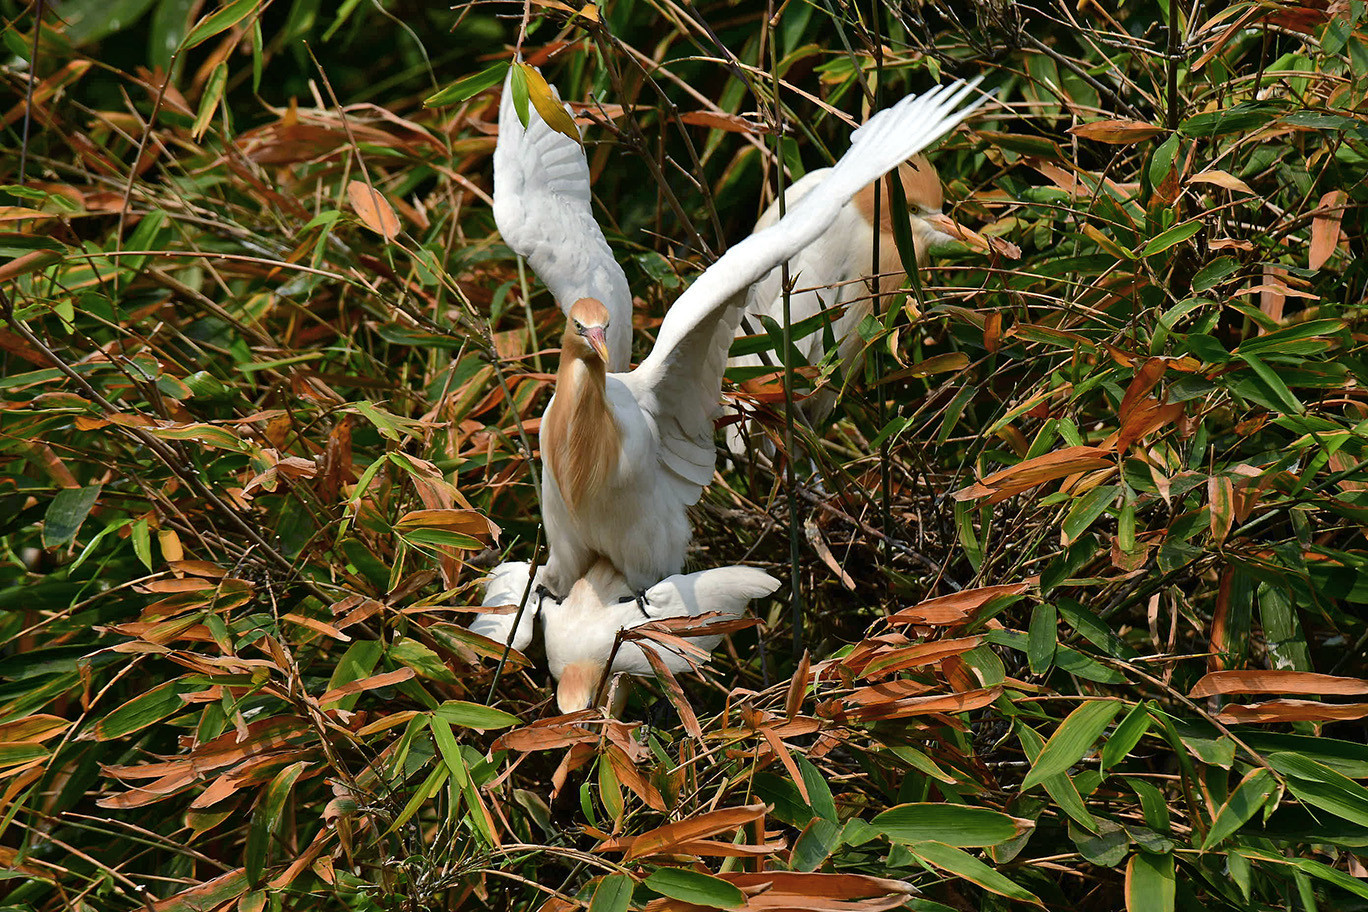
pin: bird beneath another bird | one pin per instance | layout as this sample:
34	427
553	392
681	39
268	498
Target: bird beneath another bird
580	631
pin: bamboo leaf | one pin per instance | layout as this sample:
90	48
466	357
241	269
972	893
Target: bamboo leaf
1072	740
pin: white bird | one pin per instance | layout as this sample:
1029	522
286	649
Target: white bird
825	274
627	453
580	630
542	207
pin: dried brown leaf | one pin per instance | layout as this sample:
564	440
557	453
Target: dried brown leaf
373	209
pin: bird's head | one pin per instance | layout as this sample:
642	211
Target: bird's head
931	227
580	631
588	320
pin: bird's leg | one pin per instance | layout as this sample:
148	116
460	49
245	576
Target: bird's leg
641	604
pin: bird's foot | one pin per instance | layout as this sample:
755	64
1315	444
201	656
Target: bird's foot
641	603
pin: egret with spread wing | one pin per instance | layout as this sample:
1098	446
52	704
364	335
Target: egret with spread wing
826	273
542	208
627	453
580	630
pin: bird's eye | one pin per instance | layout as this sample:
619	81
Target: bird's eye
579	327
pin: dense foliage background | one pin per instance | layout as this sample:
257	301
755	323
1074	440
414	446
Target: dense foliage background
1082	557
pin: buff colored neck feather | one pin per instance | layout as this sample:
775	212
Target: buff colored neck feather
580	437
922	190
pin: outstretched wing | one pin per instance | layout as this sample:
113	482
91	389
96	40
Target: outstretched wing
506	585
542	207
680	383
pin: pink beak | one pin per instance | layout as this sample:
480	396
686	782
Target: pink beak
597	338
945	225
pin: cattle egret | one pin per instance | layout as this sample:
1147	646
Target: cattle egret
506	586
542	208
580	631
825	273
627	453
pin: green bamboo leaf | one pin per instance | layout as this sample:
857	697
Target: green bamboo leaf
518	85
815	844
1059	786
1172	237
1074	738
693	887
266	819
1043	638
1085	511
1274	383
430	785
468	87
965	866
474	715
1150	884
222	19
1310	866
1249	796
65	514
953	824
1317	784
445	740
612	894
1127	734
209	101
424	662
138	713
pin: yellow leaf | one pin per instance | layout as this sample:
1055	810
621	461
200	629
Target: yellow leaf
373	209
547	104
1222	179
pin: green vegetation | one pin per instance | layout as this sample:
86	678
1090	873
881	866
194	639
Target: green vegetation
1084	580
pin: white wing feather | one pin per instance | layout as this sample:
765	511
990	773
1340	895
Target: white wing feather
506	585
543	210
725	590
680	383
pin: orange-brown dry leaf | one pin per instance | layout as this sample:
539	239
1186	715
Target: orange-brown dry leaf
1259	681
466	522
1039	470
1292	711
663	839
1325	228
548	734
1117	132
373	209
675	693
717	120
956	607
936	703
918	655
374	681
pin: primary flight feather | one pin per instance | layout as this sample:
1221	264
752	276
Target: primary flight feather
627	453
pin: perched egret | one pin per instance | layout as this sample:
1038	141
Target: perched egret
542	208
627	453
580	631
826	273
